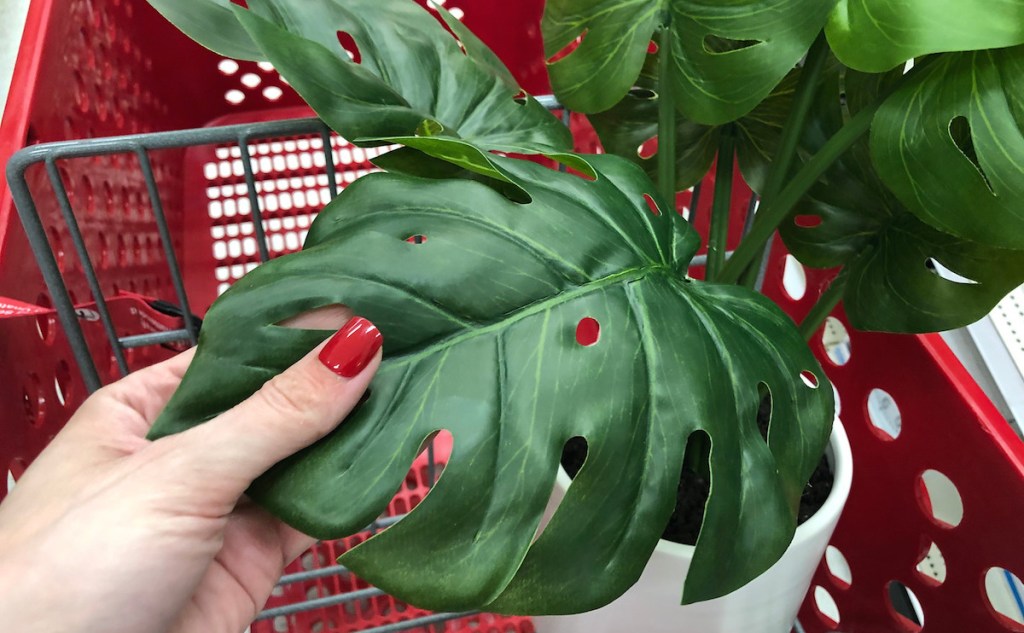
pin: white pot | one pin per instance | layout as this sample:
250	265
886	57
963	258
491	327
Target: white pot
769	604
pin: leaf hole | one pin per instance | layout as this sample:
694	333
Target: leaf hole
568	164
693	492
568	49
764	410
348	44
652	48
651	204
572	171
642	94
963	137
809	378
327	318
429	127
648	148
588	332
574	455
573	458
807	221
521	97
417	239
936	268
716	45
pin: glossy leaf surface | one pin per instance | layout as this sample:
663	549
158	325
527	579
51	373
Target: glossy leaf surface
949	144
727	56
877	35
633	122
479	324
899	268
212	23
403	78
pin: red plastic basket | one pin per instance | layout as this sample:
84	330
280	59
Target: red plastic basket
91	68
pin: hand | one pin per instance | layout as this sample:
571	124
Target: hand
108	532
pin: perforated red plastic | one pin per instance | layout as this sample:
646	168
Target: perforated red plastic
938	473
90	68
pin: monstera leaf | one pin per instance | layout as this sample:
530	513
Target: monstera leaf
479	322
405	80
949	145
897	267
877	35
211	23
727	56
634	121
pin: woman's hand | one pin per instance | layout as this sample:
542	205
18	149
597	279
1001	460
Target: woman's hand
108	532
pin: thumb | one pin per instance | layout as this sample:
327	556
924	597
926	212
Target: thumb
291	411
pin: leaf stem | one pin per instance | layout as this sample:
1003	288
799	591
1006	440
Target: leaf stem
782	165
806	90
826	303
666	117
721	205
773	213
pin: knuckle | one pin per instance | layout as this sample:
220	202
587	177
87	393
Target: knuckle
292	395
285	397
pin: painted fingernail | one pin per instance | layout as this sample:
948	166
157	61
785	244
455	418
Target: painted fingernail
352	348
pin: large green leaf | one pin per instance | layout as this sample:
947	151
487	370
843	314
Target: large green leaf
211	23
877	35
479	324
414	83
727	56
625	128
949	145
897	266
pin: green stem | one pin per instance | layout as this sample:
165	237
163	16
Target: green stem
721	205
666	119
806	90
826	303
782	164
775	212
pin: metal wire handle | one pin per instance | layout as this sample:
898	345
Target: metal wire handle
140	145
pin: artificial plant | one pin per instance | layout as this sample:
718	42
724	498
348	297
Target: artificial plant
479	318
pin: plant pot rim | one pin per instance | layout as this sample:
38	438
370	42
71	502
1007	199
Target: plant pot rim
842	474
824	518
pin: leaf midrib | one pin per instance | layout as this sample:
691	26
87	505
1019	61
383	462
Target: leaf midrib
435	346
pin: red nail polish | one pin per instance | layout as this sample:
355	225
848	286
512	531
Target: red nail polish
352	348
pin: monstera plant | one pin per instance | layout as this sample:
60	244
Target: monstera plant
899	179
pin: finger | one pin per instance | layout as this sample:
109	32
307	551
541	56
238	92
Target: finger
293	542
147	391
291	411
